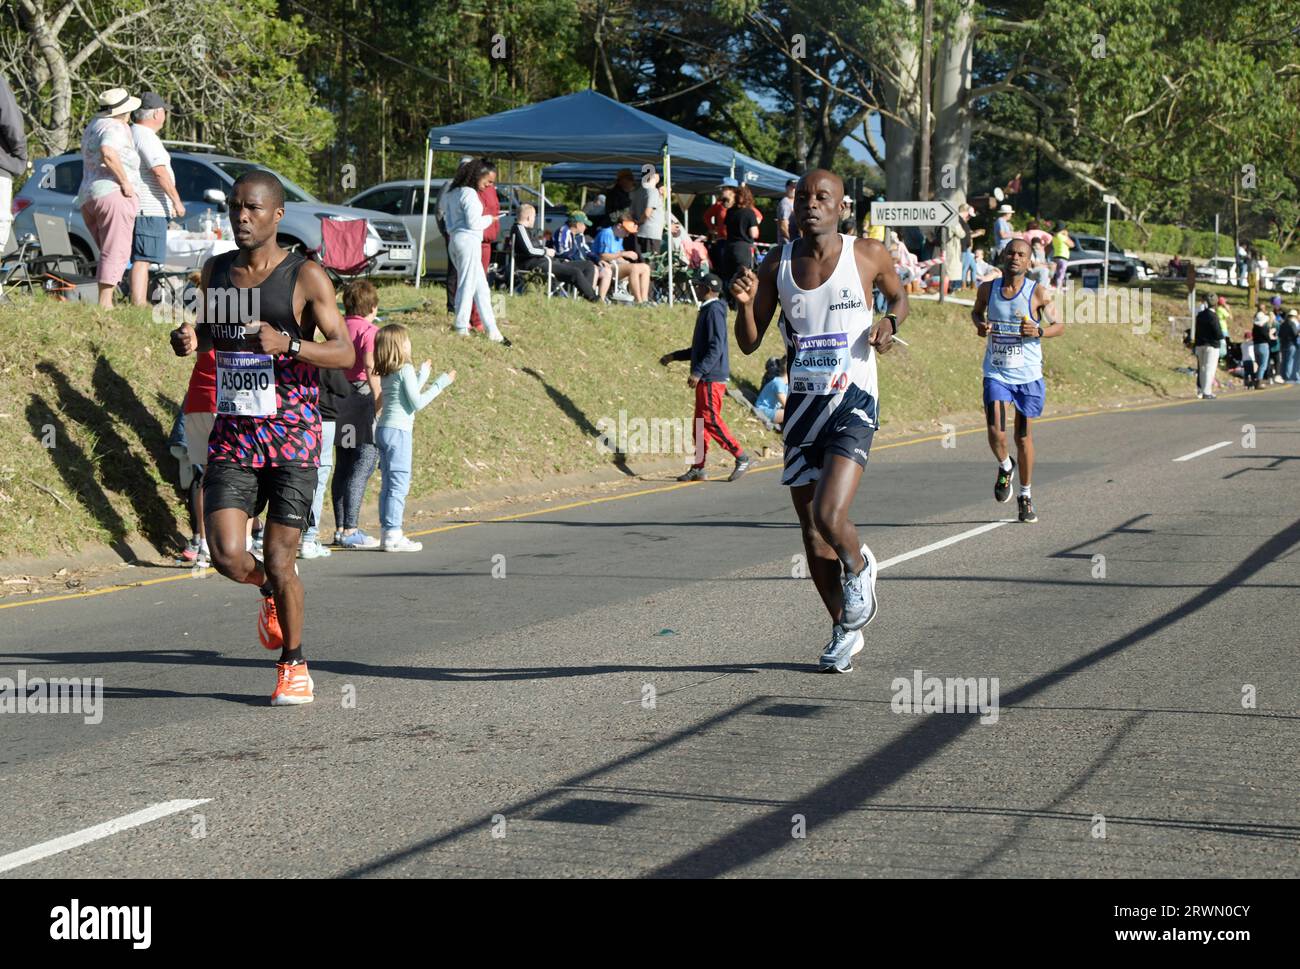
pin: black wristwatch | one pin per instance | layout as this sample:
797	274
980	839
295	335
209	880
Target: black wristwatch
893	321
1040	331
294	347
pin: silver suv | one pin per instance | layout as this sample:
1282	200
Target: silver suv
204	179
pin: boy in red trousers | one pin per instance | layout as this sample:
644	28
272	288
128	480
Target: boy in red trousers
710	370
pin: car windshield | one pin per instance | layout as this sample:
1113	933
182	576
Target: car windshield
292	192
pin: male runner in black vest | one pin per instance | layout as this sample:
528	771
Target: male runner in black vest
261	309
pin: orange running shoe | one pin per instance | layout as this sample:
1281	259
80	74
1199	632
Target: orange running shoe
268	625
293	685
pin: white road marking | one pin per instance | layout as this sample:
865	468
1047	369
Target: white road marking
1204	450
934	547
78	838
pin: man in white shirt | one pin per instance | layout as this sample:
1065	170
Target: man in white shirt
159	199
648	211
785	213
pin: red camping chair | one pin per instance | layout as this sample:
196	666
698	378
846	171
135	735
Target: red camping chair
342	250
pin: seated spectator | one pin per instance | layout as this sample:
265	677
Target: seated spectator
572	244
905	264
531	255
776	388
983	270
609	248
692	249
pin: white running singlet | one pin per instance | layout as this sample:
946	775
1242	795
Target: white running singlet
829	331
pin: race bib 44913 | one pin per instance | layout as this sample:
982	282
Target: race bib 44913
821	364
1006	345
245	384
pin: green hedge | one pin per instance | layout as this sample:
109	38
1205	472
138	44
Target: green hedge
1171	239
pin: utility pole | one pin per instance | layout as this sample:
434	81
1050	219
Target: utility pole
926	34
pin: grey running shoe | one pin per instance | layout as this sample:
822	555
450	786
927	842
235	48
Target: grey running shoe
743	464
860	593
839	652
1002	486
1027	515
692	474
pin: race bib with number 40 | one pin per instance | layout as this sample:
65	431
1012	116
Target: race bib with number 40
245	384
821	364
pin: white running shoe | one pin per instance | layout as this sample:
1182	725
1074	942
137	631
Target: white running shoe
838	655
860	604
397	542
312	550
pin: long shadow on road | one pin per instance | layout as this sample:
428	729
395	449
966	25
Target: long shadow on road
853	788
872	775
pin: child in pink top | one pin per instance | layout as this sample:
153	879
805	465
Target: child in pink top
355	453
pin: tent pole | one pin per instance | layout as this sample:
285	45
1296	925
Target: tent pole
541	230
424	220
668	221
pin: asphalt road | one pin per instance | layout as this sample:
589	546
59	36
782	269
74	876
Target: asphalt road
637	696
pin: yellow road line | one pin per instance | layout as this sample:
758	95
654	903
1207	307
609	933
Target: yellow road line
201	574
587	502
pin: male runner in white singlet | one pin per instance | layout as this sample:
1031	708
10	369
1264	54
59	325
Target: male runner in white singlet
823	282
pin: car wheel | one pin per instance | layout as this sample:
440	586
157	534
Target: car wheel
291	244
84	253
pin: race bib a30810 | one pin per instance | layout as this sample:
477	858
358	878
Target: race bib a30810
245	384
821	364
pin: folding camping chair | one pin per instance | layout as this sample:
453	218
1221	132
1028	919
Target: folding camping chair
15	272
65	273
342	250
683	291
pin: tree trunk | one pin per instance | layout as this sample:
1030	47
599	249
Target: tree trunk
953	118
902	99
45	39
800	132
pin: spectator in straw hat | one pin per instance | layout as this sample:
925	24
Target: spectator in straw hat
110	186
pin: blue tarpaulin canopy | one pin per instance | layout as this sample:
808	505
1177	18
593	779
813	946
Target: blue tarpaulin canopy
582	127
687	178
587	126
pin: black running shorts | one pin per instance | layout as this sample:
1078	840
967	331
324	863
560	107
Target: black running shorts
285	493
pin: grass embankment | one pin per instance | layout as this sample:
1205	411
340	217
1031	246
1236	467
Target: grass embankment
87	400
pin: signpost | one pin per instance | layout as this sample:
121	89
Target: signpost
937	212
1105	267
934	213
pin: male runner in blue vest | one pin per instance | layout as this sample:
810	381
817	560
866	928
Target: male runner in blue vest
1009	312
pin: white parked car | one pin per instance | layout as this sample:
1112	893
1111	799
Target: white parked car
1287	279
1222	271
